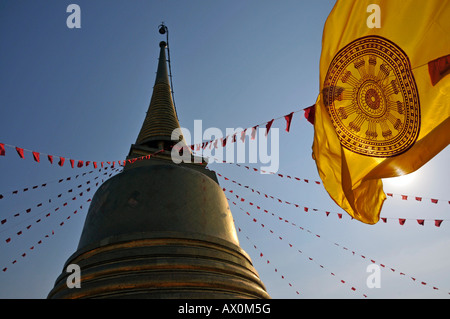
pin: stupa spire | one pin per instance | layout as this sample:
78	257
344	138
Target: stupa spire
161	118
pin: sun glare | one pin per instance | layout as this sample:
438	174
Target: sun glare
401	181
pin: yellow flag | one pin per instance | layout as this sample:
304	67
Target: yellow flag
384	105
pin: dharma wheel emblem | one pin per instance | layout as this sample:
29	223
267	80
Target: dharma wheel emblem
372	98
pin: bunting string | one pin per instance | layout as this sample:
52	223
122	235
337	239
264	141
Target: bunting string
53	158
402	221
433	200
298	250
50	200
40	241
345	248
24	254
417	198
308	113
62	223
40	218
73	163
254	169
41	185
261	255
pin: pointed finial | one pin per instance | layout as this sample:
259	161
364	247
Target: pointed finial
162	28
165	44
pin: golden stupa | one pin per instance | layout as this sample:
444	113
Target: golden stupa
160	229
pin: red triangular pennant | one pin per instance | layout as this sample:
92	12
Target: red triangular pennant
2	149
254	132
288	119
36	156
243	135
20	152
310	113
439	68
268	126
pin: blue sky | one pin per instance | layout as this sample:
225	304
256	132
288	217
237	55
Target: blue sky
83	93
